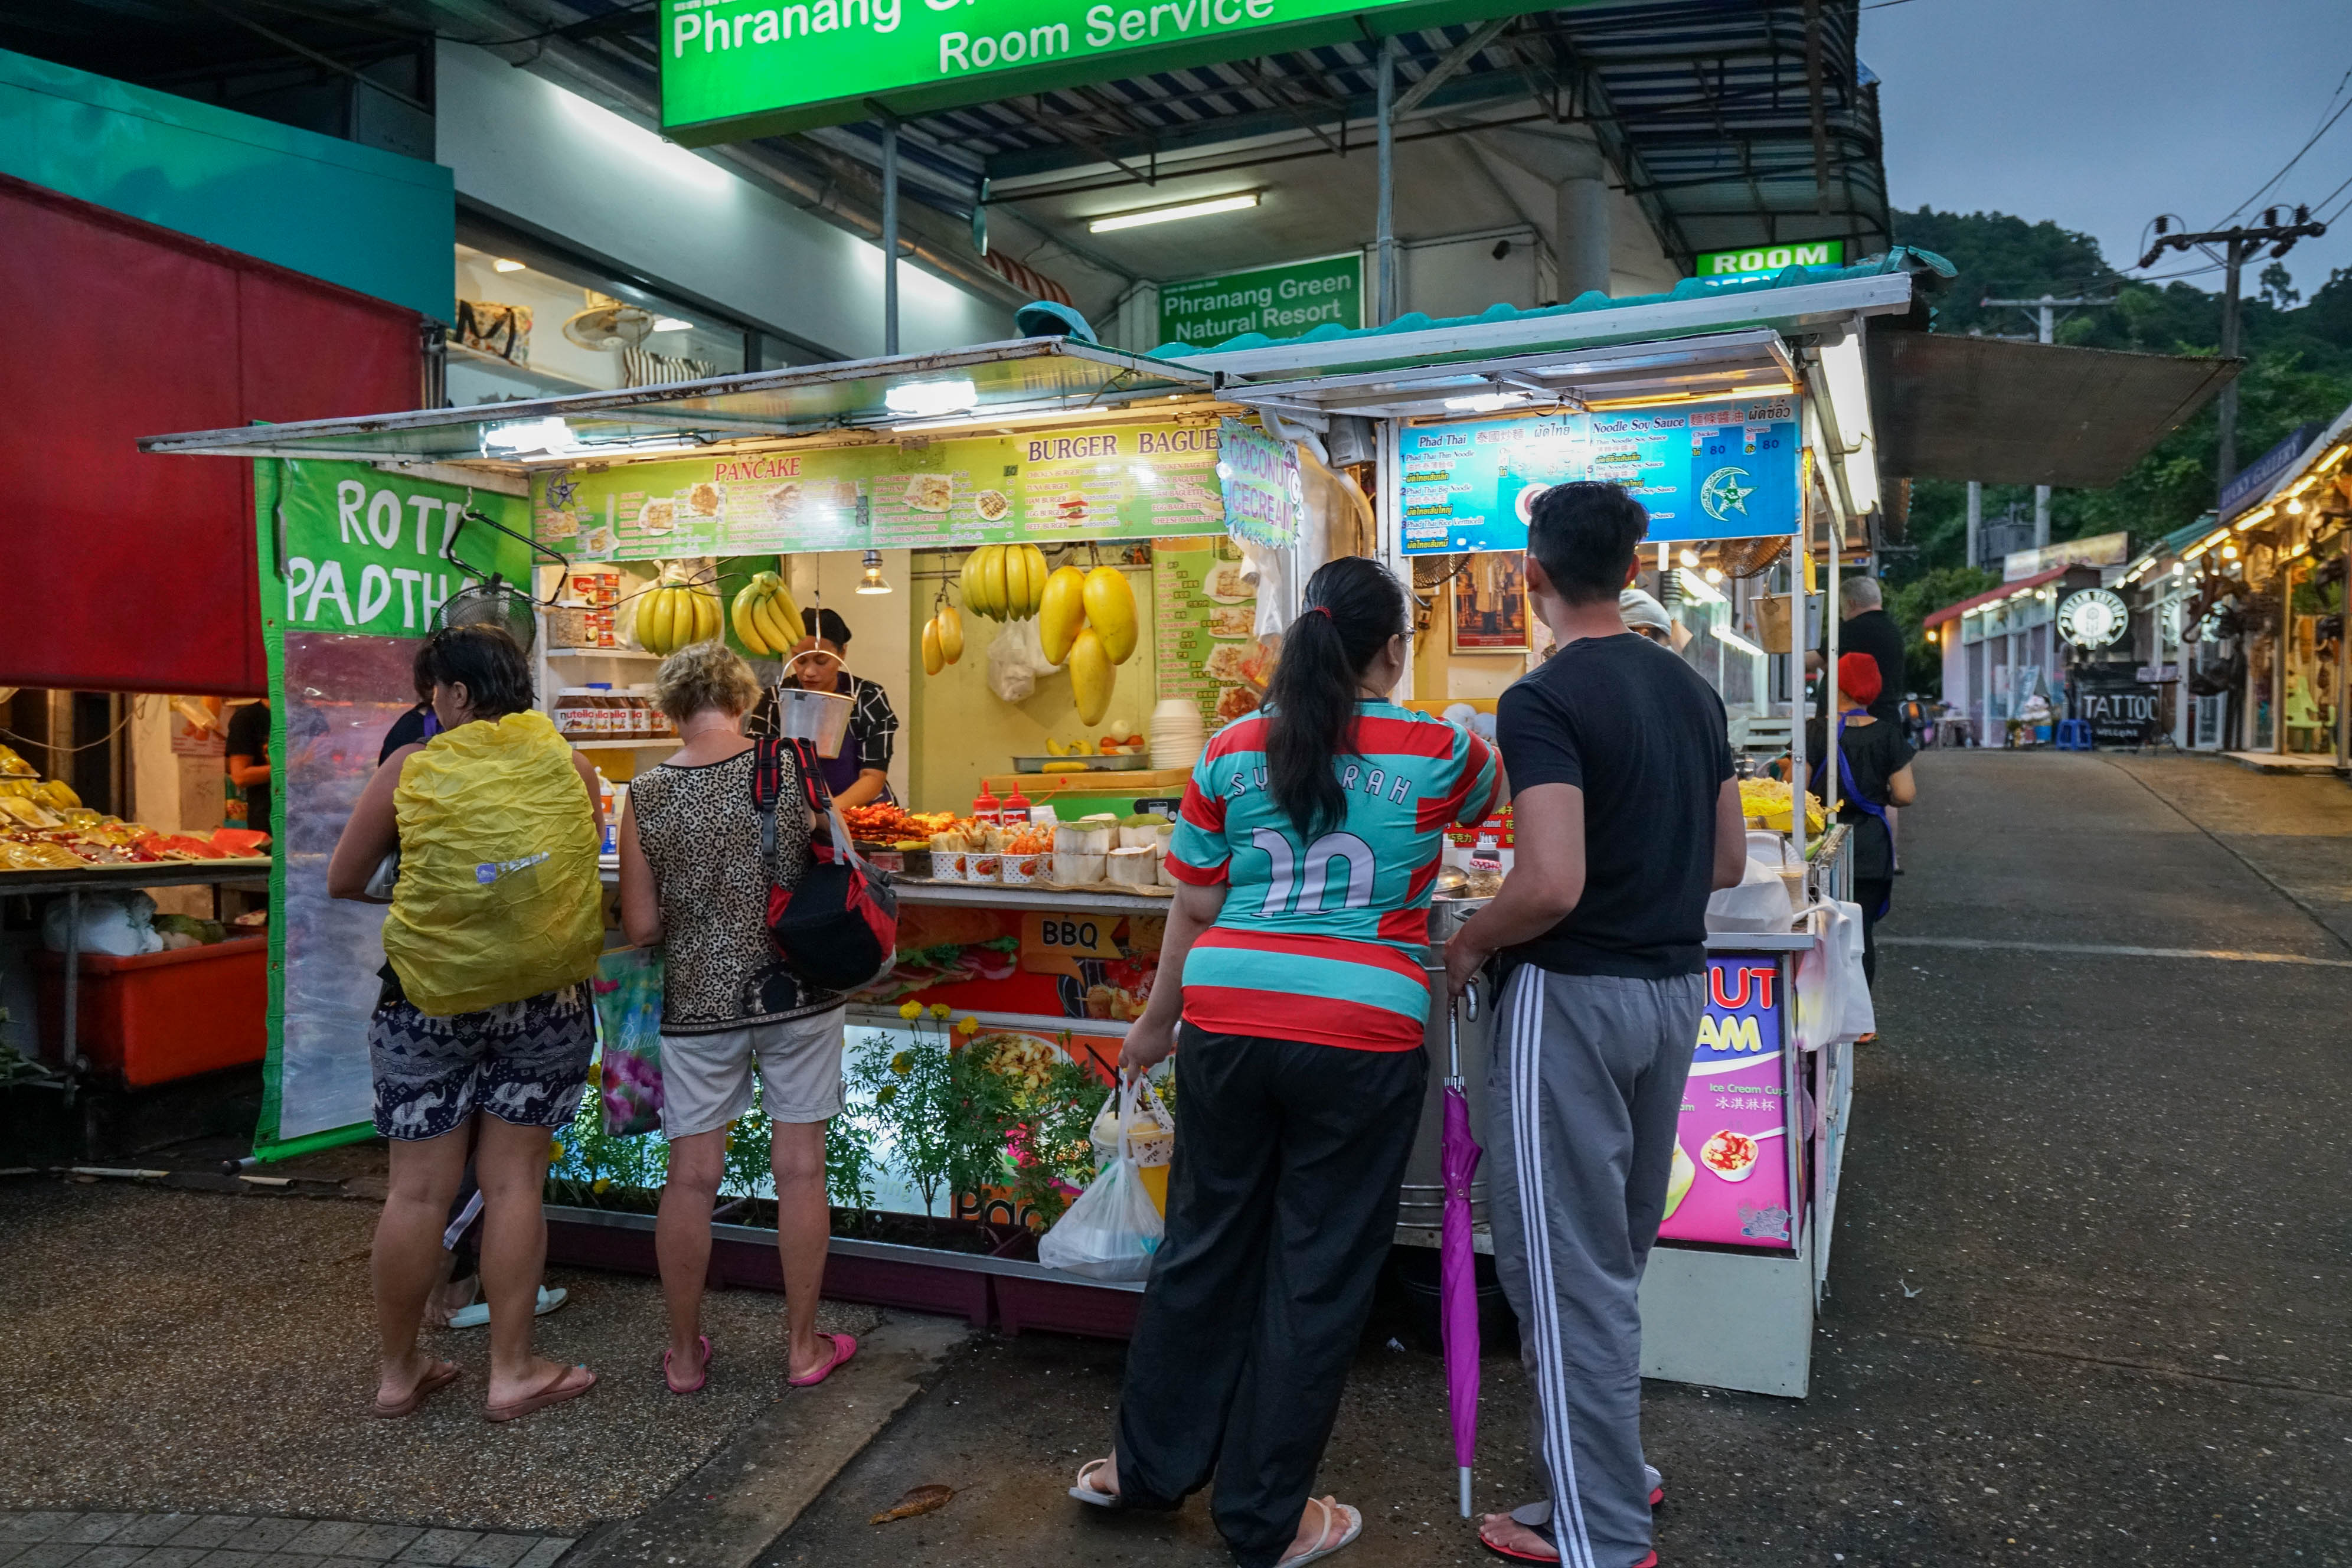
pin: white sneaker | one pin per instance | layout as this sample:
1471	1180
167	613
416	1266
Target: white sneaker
479	1315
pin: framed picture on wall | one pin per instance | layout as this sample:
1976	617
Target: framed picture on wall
1489	603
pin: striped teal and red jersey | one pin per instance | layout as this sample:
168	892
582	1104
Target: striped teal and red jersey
1322	942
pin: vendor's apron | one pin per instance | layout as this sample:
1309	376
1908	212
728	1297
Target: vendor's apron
842	772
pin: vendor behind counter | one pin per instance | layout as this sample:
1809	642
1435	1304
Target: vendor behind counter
860	775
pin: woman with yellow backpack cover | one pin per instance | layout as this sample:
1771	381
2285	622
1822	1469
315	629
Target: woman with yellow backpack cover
489	834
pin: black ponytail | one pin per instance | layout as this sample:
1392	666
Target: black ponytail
1353	608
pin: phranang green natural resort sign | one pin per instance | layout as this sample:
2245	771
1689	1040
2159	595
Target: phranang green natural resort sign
738	69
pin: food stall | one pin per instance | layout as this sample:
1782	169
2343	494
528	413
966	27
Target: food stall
1088	556
163	996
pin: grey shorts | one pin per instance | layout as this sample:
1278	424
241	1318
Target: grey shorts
707	1077
524	1062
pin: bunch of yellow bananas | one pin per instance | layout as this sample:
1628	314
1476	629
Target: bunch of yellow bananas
942	639
766	619
1003	582
1086	620
673	614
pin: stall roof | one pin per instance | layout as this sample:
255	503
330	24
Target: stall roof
1697	341
1953	407
1022	379
1994	596
1795	299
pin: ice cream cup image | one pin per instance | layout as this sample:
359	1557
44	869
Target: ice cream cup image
1730	1155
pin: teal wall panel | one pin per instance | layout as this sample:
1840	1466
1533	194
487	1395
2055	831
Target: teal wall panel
374	222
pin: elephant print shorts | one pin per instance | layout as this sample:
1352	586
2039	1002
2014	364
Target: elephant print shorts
524	1062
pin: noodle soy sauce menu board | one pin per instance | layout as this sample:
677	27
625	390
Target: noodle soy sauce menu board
1124	482
1716	470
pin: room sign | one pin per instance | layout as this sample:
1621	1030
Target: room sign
732	70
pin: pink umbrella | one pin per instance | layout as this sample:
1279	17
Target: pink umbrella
1458	1157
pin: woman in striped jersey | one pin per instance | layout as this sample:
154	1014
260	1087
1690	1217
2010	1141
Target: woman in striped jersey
1308	842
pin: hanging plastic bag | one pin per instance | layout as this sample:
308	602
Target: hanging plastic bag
1114	1230
498	898
1016	661
1832	993
628	991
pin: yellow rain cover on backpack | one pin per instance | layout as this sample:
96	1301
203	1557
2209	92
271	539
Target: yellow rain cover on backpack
498	898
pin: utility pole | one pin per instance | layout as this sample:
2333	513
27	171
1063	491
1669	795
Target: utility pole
2240	244
1976	521
2046	321
1384	275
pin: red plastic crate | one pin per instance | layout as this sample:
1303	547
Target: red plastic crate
163	1015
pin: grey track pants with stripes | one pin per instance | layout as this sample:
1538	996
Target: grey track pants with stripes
1586	1091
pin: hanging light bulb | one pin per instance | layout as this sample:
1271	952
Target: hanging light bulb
1689	556
2228	553
1714	573
872	583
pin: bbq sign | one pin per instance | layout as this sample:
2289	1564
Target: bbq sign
1729	1183
732	70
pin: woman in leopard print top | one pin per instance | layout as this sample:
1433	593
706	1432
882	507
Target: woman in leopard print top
694	881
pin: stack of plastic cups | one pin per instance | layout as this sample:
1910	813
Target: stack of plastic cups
1177	733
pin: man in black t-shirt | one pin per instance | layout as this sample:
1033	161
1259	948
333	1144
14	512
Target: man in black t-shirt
249	761
1625	816
1865	626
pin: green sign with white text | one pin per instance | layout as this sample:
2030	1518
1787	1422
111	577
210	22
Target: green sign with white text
1280	301
1752	260
737	68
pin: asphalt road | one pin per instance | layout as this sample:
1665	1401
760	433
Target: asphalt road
2087	1303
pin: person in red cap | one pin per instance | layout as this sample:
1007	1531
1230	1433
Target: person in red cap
1873	764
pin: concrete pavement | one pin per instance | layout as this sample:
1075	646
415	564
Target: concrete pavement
2087	1304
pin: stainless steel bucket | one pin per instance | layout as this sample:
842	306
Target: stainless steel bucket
804	715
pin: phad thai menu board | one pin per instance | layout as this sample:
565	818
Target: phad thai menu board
1730	1185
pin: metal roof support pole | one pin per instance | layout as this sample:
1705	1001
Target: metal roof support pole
1384	240
889	237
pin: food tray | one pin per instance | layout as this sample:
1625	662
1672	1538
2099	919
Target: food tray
1125	763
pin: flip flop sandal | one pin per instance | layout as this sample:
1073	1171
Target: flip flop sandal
844	1347
702	1378
442	1374
1543	1531
1355	1527
1086	1490
561	1389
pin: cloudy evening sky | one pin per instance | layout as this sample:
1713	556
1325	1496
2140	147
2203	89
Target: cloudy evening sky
2099	114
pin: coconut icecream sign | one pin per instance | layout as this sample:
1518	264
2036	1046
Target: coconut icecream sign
738	69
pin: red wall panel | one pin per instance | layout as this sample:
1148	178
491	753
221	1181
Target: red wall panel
123	571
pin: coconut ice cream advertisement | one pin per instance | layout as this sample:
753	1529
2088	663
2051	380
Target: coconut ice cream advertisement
1729	1186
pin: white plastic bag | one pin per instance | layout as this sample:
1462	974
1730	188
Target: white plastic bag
122	925
1151	1131
1113	1230
1016	661
1833	994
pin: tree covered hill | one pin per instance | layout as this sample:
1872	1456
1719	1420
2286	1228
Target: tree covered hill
2299	355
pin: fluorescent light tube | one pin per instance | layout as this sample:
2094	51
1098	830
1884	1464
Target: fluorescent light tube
1118	221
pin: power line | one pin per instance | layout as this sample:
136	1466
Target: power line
2290	163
